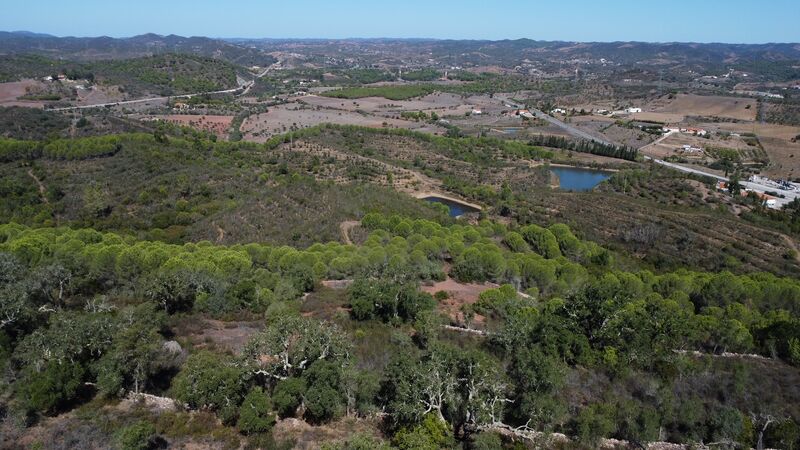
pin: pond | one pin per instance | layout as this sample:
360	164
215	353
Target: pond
579	180
456	208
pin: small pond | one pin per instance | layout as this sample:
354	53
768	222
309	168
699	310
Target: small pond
456	208
577	179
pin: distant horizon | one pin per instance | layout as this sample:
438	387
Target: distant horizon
683	21
385	38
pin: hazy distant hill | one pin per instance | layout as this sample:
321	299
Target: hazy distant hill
774	61
96	48
524	48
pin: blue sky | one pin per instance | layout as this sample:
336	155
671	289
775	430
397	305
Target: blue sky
747	21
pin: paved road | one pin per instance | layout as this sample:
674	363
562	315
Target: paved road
568	128
565	126
758	187
144	100
244	86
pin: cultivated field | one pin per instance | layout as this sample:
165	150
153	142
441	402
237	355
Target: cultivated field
442	104
9	92
706	106
661	117
777	141
218	125
283	118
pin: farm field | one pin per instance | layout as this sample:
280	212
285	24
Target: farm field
282	118
736	108
779	141
441	103
9	93
661	117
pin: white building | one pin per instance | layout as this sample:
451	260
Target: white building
633	110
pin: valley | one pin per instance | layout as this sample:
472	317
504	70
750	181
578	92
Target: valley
398	244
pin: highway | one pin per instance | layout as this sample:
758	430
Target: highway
568	128
565	126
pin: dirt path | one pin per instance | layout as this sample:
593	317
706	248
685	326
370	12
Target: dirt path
220	233
345	228
792	245
426	194
42	189
656	142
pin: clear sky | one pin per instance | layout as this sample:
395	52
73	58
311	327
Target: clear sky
735	21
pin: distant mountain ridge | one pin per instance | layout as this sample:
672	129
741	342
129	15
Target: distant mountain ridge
524	45
104	47
777	60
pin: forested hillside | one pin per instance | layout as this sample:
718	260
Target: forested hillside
181	189
105	48
587	350
164	74
121	256
399	244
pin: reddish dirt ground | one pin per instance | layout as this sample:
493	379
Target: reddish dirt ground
460	294
10	91
218	125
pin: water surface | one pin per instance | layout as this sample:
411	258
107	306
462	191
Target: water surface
456	208
577	179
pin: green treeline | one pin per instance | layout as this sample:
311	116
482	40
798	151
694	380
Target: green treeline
81	306
469	149
482	85
98	146
584	146
401	92
59	149
166	74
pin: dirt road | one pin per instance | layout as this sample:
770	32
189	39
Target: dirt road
345	228
42	189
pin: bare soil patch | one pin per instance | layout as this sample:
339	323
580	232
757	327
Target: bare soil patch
308	437
659	117
99	94
707	106
230	336
218	125
441	103
9	92
460	294
283	118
